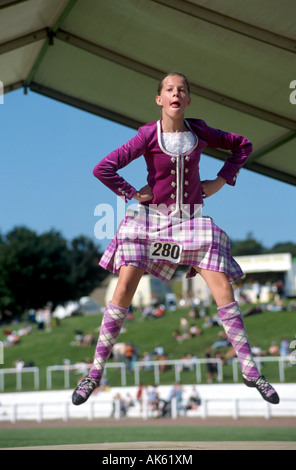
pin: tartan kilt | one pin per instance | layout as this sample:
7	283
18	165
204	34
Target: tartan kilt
200	241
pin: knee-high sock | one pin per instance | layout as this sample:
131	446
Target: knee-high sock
233	325
112	322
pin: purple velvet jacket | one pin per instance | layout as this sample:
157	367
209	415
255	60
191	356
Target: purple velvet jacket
174	179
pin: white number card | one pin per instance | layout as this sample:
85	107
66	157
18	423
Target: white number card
166	251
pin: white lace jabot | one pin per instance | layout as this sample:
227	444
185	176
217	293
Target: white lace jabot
178	142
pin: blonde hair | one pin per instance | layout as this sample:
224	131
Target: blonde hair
172	74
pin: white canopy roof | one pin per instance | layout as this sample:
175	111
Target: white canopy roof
107	56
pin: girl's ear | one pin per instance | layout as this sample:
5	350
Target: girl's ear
158	100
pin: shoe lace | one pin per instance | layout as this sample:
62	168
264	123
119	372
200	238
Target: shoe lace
87	384
263	384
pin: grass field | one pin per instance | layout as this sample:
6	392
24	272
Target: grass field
105	434
45	349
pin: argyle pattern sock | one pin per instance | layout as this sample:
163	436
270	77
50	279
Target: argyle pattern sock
112	322
231	318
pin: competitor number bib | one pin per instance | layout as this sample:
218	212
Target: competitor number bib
165	251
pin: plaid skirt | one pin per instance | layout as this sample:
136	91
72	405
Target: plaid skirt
158	243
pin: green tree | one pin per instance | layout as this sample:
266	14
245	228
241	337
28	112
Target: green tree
84	271
284	247
37	269
250	246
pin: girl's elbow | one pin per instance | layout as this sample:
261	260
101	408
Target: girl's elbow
249	148
97	171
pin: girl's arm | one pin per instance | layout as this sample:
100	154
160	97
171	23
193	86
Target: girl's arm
210	187
106	169
240	148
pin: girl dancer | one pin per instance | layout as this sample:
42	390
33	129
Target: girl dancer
167	229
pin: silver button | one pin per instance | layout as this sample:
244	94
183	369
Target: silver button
173	196
186	182
185	194
173	184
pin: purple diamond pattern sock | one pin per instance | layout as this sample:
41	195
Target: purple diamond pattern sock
112	322
231	318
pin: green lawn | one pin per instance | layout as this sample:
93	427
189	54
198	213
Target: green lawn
53	348
92	435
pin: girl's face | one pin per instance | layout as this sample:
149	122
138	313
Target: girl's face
174	97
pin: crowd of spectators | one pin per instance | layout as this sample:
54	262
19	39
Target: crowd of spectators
253	291
158	405
83	339
14	332
13	336
152	312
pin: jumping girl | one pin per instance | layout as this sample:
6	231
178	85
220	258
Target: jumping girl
168	229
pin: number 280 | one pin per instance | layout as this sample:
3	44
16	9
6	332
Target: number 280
166	250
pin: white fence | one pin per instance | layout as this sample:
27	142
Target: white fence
140	367
41	411
72	368
178	366
18	374
219	400
282	363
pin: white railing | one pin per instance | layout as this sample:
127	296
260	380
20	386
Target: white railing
232	407
282	361
72	368
142	366
18	373
178	366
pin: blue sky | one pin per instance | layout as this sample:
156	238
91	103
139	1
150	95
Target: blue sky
48	152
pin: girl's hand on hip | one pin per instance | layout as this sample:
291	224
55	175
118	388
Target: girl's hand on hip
210	187
145	194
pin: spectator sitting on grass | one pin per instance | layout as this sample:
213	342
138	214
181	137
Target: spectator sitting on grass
222	342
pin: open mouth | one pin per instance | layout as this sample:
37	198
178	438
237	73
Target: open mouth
175	104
